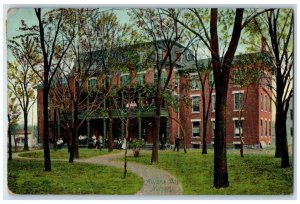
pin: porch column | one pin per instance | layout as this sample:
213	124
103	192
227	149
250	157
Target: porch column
88	128
104	128
139	117
140	125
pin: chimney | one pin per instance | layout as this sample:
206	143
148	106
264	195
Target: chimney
263	44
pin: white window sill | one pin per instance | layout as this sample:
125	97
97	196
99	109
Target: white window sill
195	111
197	137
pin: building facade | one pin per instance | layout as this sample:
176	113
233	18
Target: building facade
249	110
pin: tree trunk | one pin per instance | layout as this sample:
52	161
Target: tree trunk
278	134
204	114
204	145
26	148
221	76
73	132
281	133
154	156
72	148
126	146
47	161
16	146
9	141
220	157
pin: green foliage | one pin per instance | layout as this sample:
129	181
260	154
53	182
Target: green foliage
255	174
29	177
137	144
247	71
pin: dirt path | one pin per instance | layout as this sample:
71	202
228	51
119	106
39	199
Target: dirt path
156	181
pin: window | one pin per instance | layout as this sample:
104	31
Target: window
292	114
213	103
266	103
125	80
266	128
238	128
292	131
237	77
176	78
92	84
261	128
270	105
196	128
270	128
195	83
211	79
140	79
213	127
238	101
261	102
195	100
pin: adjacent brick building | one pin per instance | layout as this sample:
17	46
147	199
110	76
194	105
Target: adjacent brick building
184	86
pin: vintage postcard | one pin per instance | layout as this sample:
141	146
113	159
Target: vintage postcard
150	101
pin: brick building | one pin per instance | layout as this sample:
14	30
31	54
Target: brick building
256	115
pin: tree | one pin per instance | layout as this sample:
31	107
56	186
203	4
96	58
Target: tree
72	91
276	28
13	114
164	34
207	25
246	74
50	48
21	79
204	74
110	35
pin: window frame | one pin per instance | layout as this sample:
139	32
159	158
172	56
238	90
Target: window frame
196	82
194	96
95	86
193	127
240	101
234	127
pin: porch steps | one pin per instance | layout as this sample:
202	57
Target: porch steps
148	146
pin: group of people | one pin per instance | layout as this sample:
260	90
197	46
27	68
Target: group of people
99	143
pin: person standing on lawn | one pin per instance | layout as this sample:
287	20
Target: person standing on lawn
177	142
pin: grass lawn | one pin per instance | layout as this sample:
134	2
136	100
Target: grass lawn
255	174
29	177
64	154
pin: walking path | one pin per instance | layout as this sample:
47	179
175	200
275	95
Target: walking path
156	181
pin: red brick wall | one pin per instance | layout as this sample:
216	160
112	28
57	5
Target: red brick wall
251	115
